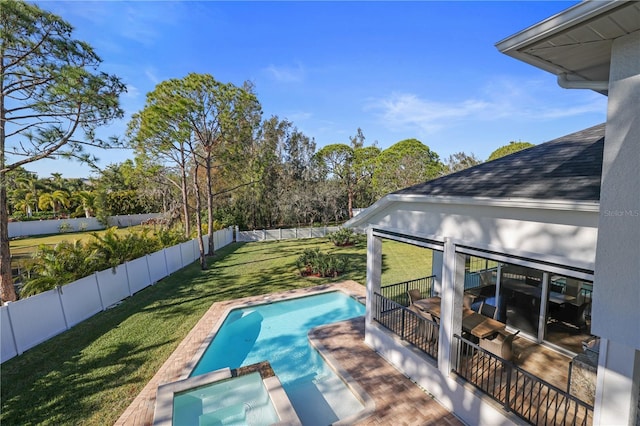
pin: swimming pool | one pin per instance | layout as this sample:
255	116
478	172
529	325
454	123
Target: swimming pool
277	332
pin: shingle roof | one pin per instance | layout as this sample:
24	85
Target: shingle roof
567	168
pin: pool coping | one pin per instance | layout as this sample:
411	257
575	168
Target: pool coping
182	361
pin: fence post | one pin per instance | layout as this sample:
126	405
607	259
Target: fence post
264	232
13	333
296	232
280	229
64	314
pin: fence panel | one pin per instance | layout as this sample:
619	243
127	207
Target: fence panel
53	226
114	285
36	319
7	346
285	234
80	299
188	252
138	274
157	266
173	258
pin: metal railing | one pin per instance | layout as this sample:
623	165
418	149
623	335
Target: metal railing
398	292
531	398
407	324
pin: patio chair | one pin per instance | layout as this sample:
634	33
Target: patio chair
488	310
500	345
414	294
423	329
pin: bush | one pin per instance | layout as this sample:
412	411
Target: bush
344	237
69	261
315	262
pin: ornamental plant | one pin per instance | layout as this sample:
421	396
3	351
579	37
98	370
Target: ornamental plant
316	263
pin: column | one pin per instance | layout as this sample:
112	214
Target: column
374	271
436	271
617	384
615	312
451	306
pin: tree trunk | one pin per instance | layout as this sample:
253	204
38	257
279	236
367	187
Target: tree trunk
7	290
211	248
185	202
196	188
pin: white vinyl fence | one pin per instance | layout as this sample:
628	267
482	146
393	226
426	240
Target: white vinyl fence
284	234
44	227
29	322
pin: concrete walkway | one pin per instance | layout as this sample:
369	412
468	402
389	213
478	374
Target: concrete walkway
398	401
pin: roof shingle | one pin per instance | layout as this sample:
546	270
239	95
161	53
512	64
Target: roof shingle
567	168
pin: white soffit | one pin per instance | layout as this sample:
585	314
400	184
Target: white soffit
577	41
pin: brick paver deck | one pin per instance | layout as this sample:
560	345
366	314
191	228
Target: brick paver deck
398	401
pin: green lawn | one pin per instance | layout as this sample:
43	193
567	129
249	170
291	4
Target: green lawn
26	246
91	373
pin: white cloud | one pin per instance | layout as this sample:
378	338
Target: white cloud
286	74
500	99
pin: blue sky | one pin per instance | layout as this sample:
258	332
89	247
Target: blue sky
426	70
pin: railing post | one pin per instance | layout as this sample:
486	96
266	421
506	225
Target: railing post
402	321
507	399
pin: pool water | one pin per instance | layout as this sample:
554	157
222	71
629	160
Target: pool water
277	332
240	400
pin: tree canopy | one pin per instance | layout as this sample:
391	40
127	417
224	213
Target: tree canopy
509	149
52	99
405	163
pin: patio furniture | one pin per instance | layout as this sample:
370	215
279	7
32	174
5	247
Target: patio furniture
488	310
423	329
571	315
414	295
501	344
430	304
474	323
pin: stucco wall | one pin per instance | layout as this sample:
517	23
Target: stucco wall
559	236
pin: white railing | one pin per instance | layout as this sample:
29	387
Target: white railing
284	234
45	227
29	322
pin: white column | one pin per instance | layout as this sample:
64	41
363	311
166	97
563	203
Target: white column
374	271
436	271
451	306
615	312
617	385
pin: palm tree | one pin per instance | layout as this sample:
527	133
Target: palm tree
86	201
55	200
26	203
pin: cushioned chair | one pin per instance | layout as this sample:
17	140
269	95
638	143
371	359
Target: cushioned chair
500	345
488	310
414	294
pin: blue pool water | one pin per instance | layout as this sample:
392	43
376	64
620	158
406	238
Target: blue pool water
238	401
277	332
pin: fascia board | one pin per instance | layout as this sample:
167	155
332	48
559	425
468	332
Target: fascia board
523	203
555	24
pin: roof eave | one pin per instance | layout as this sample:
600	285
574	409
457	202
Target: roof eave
555	24
522	203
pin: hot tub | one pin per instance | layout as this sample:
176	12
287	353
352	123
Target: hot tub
251	395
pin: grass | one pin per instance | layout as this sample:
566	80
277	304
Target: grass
91	373
22	248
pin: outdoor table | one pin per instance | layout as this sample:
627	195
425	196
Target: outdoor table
473	322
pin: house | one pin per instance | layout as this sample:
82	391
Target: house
550	235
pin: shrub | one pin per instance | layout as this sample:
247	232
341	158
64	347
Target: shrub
315	262
65	227
344	237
